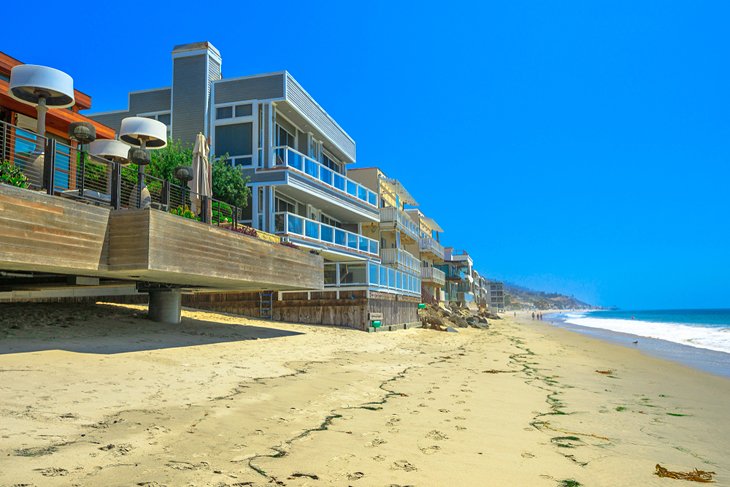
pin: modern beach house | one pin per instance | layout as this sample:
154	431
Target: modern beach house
458	267
296	157
431	254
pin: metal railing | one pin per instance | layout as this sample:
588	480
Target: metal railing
431	274
290	224
401	219
42	163
288	157
427	244
403	259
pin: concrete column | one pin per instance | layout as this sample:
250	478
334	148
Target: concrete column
165	305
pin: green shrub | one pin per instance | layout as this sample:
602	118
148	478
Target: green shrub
12	175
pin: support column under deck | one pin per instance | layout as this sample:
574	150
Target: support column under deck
165	305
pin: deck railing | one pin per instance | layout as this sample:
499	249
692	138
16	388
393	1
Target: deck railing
427	244
431	274
403	259
402	221
63	170
288	157
298	226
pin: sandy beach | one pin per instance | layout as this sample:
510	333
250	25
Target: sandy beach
98	395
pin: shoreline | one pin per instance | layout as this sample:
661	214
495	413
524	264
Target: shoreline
99	395
704	359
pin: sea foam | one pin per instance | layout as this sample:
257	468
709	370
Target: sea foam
710	338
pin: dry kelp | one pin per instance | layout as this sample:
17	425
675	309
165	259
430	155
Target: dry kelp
695	475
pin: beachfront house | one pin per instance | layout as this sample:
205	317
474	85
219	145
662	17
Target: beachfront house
496	296
458	267
297	159
431	254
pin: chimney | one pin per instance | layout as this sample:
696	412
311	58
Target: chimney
194	68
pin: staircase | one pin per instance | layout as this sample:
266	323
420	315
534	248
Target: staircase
266	304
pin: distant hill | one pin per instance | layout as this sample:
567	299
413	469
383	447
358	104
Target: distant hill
518	297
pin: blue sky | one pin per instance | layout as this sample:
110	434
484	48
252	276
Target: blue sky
572	146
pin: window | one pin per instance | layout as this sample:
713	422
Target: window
222	113
243	111
330	163
283	205
329	221
284	138
236	141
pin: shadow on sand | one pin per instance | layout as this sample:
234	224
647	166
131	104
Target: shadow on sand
110	329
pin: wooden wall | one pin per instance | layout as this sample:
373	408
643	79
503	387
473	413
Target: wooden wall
44	233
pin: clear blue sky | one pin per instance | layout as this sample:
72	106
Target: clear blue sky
574	146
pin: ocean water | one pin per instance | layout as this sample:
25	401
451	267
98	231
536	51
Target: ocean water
698	338
700	328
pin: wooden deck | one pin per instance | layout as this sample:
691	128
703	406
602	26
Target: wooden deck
49	234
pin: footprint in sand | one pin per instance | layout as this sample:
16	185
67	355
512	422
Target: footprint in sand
429	450
53	472
379	458
422	405
392	421
437	435
375	442
355	476
443	410
459	418
461	402
527	455
403	465
459	428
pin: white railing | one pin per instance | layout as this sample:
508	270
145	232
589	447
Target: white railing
402	258
371	275
431	274
427	244
286	156
290	224
401	218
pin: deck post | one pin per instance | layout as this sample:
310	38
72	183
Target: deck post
116	189
165	305
49	165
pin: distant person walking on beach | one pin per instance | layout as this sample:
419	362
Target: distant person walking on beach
533	315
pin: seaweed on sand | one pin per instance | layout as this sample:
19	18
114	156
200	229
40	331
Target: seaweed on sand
695	475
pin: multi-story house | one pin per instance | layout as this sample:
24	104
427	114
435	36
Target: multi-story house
431	254
296	157
481	290
458	267
496	296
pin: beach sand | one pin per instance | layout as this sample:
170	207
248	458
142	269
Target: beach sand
98	395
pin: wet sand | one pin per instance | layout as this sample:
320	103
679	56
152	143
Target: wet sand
101	396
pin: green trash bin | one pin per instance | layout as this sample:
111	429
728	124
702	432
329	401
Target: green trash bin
421	305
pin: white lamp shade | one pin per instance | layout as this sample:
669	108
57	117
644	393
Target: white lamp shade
29	82
113	150
136	129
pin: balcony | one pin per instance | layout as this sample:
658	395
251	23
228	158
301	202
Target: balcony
400	220
372	276
306	180
313	231
433	275
431	246
402	259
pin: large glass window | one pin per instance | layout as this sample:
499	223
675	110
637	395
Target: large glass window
236	141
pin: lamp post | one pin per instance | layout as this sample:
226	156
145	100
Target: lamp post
44	88
82	133
142	134
117	152
184	174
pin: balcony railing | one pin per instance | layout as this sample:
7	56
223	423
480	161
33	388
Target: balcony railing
401	219
288	157
401	258
431	274
427	244
371	275
290	224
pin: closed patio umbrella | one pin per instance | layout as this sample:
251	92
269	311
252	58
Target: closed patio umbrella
200	185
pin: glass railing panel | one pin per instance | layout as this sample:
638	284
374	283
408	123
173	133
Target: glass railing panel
279	222
351	188
312	229
372	198
327	233
352	240
374	274
295	224
310	167
391	277
339	182
340	237
399	280
364	244
362	193
373	247
325	175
